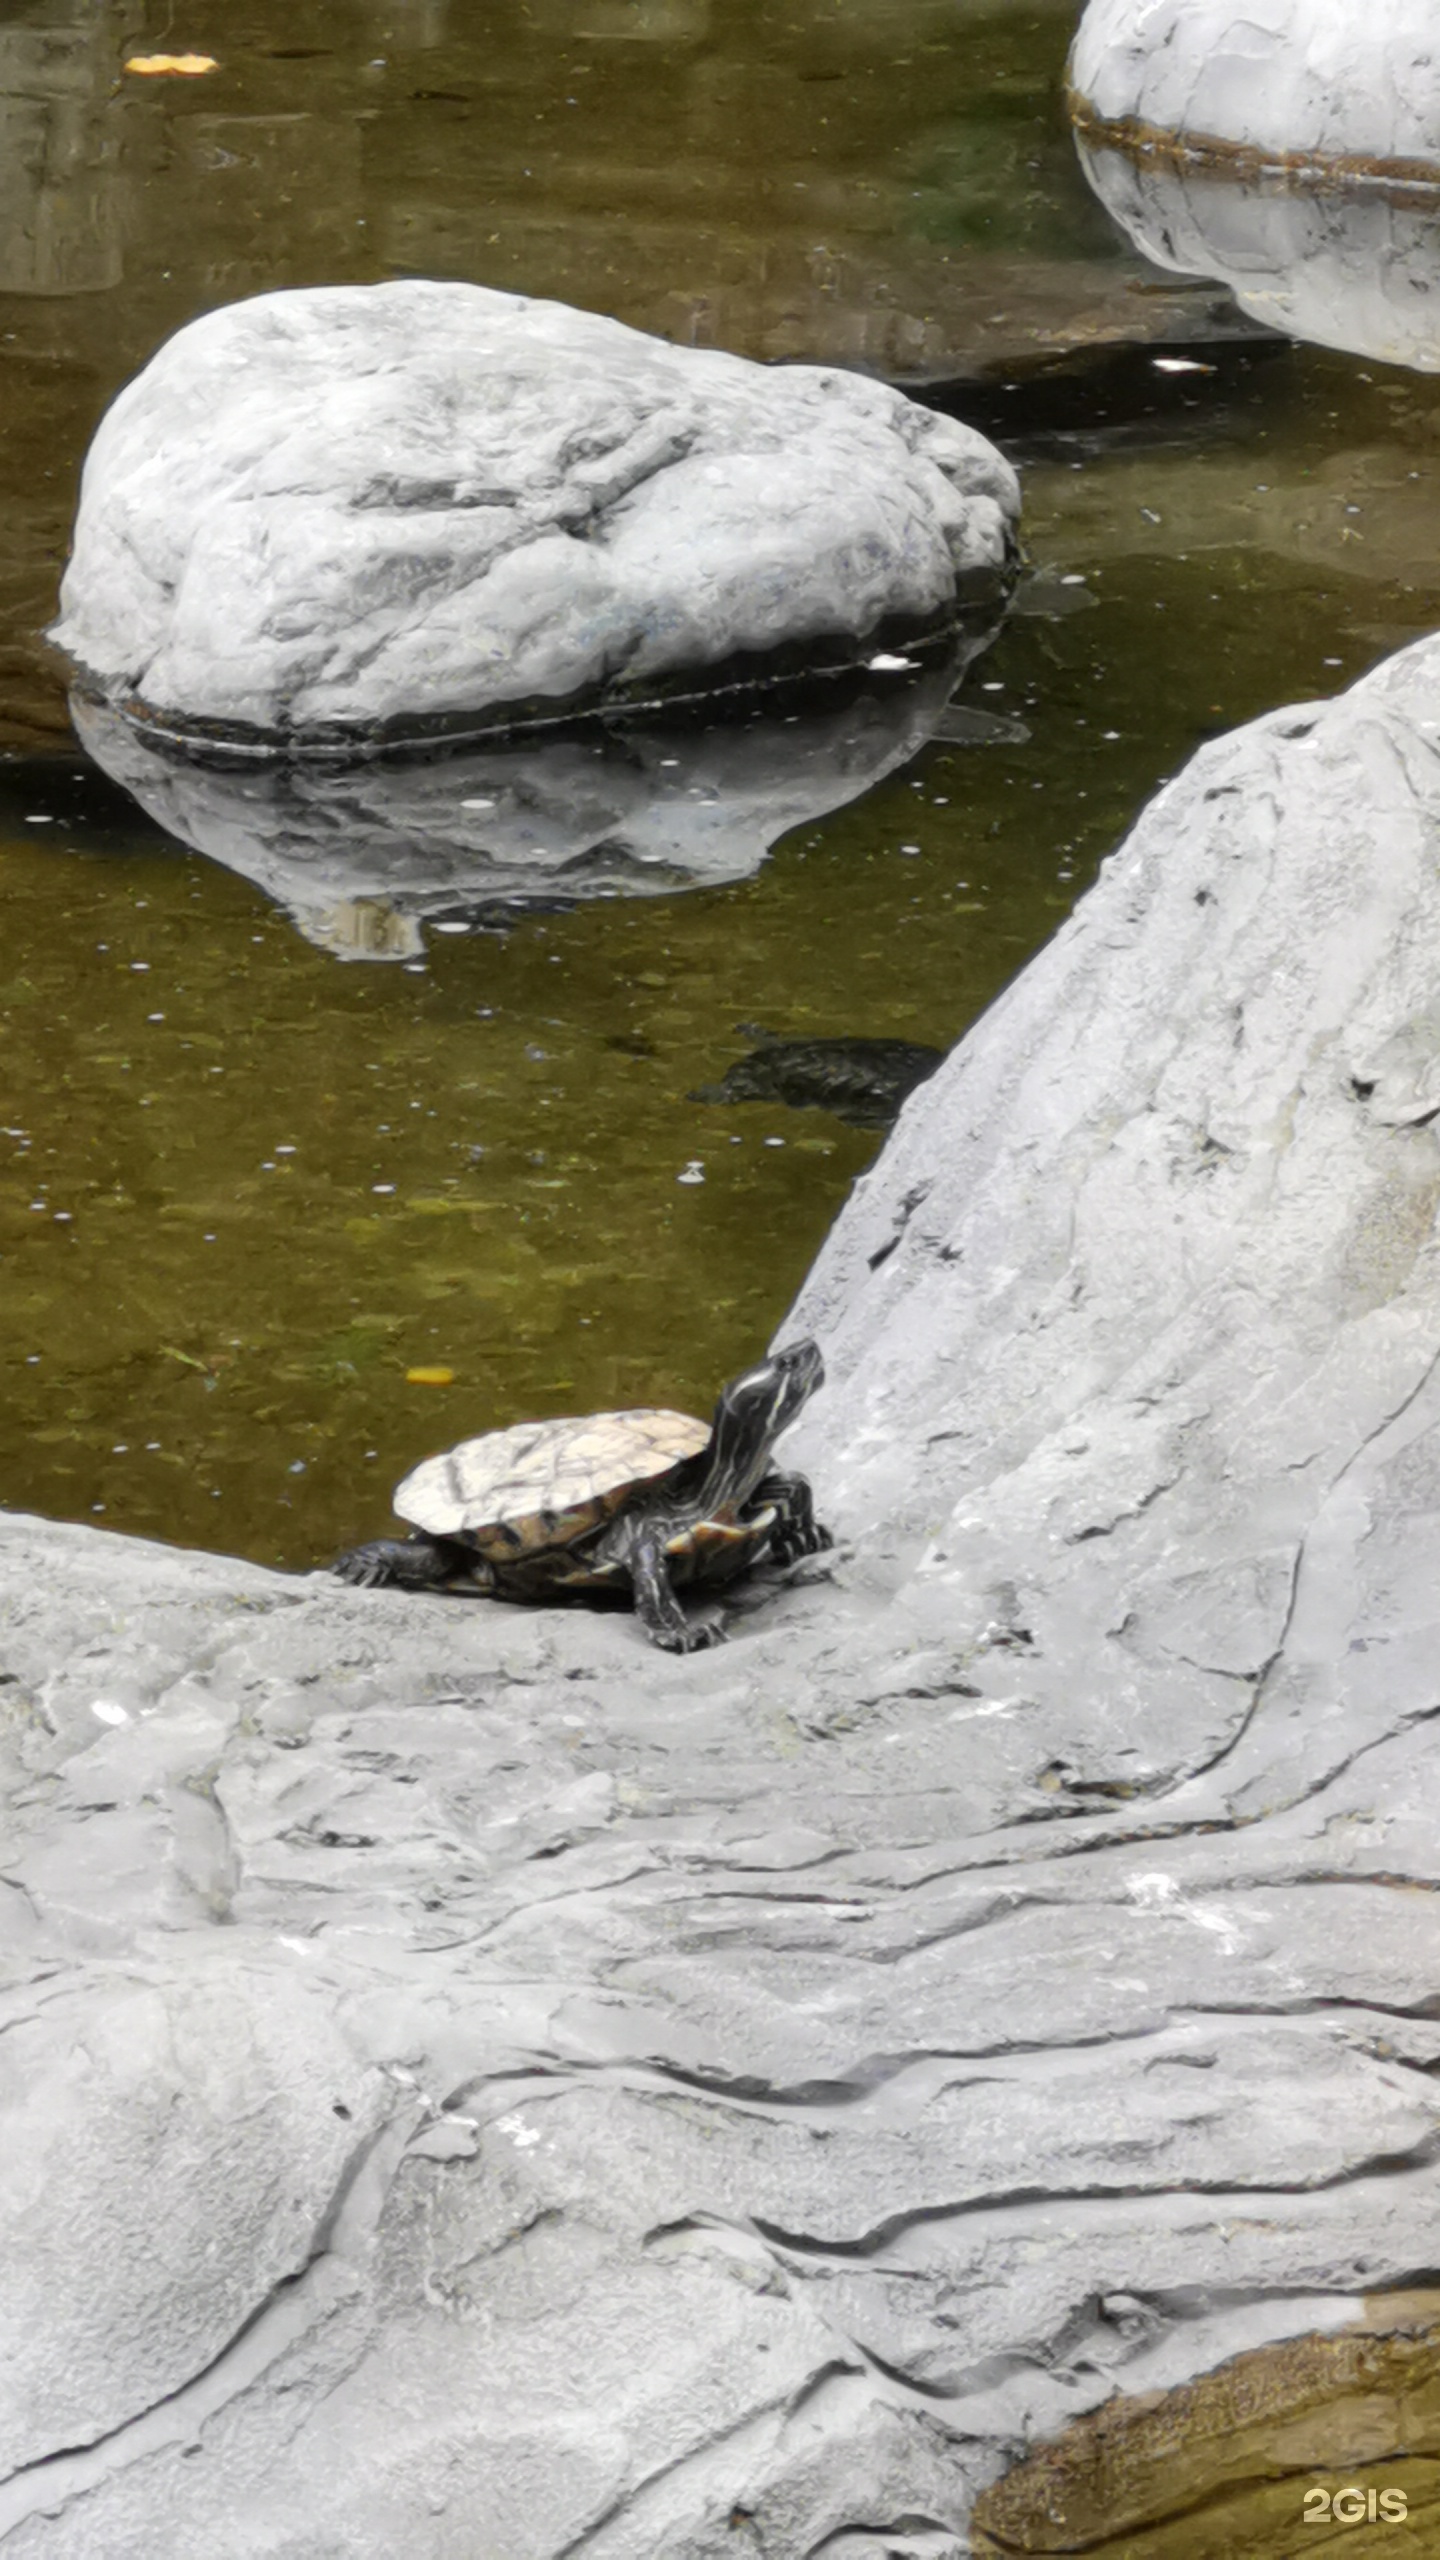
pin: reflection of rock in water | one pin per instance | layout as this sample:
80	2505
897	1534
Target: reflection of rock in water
862	1081
1359	271
363	855
59	231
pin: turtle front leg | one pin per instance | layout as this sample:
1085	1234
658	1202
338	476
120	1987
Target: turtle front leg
656	1605
797	1532
416	1564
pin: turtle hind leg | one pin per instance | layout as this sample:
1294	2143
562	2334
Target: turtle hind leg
656	1605
415	1564
797	1532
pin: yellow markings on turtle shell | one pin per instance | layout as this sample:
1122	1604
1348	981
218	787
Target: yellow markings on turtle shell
436	1377
181	66
721	1533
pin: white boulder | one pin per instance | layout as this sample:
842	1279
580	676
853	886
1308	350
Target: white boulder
1322	81
418	506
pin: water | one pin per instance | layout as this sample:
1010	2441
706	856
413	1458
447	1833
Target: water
248	1185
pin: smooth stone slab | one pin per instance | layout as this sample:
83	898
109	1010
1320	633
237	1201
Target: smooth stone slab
1354	270
1322	80
364	855
328	512
785	2082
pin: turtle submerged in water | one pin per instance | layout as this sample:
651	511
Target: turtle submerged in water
862	1081
633	1504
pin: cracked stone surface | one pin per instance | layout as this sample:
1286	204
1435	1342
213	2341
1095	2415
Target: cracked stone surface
480	2085
324	510
1317	78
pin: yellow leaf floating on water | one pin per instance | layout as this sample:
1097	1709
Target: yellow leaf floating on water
429	1377
183	66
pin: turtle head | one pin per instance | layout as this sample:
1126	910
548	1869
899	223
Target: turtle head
752	1412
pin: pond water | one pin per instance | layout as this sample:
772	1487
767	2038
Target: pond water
251	1184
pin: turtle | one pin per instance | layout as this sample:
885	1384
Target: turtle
862	1081
625	1504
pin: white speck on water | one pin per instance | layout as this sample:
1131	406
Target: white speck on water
693	1172
774	1142
886	665
382	1190
285	1151
477	804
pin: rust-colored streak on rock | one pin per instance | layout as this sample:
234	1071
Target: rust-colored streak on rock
1249	162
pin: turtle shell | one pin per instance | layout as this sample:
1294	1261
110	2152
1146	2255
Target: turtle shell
541	1485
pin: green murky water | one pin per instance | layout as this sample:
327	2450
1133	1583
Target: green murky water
246	1186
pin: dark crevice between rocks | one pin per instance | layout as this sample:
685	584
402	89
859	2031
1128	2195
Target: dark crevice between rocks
871	2244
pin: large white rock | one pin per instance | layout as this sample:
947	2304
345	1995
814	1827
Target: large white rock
417	502
472	2084
1324	79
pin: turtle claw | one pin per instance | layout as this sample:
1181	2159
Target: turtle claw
792	1545
362	1572
695	1636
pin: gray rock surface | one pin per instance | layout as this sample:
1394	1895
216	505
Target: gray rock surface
656	2108
323	511
1319	79
363	854
1360	271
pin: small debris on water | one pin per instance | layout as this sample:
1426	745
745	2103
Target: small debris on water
432	1377
693	1172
